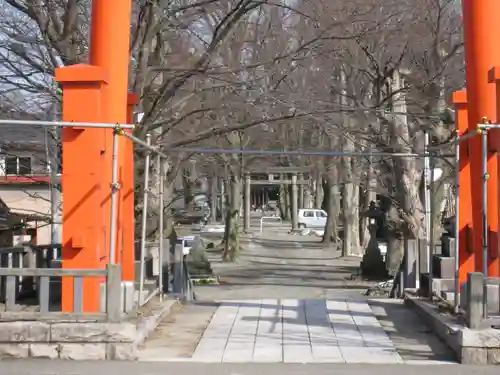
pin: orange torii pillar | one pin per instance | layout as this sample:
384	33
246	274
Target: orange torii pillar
465	220
83	188
87	153
109	49
482	52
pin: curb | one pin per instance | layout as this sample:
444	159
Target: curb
148	325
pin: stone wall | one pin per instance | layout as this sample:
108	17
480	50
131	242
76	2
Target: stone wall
471	346
68	340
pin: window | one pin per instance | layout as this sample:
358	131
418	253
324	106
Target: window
24	166
308	214
11	165
15	165
320	214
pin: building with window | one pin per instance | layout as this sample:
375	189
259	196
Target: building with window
25	183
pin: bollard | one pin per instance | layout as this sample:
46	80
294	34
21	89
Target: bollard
475	294
410	270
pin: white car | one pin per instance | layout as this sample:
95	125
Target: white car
312	218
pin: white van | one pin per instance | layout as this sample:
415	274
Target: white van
312	218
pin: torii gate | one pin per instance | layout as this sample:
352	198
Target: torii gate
97	92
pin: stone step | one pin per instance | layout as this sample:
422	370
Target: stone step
438	285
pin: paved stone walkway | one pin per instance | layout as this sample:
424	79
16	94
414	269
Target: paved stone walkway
295	331
290	300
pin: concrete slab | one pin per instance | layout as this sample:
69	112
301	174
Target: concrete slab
296	343
268	348
241	341
295	331
214	340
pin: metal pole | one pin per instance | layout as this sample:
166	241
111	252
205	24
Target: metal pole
432	208
290	152
160	222
53	159
144	218
488	126
427	202
484	161
114	192
66	124
456	295
144	144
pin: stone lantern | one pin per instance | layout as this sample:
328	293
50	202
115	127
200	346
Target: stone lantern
373	263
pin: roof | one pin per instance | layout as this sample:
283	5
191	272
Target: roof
17	136
24	180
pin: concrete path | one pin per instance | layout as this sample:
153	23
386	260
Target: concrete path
290	300
295	331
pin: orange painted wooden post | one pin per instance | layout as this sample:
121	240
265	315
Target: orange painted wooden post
465	220
482	52
82	185
494	77
127	200
109	49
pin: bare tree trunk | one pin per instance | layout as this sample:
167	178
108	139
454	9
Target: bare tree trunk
332	203
394	254
284	202
350	219
319	193
350	187
350	206
213	199
407	179
232	229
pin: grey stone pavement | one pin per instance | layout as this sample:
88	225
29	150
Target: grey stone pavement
289	300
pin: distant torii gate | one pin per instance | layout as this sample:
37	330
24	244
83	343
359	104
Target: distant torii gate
97	92
480	102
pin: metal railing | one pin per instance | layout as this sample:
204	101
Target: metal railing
119	131
264	218
146	194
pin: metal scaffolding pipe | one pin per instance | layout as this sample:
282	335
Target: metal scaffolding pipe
66	124
144	220
160	225
427	201
144	144
456	294
484	162
432	208
114	193
302	153
488	126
